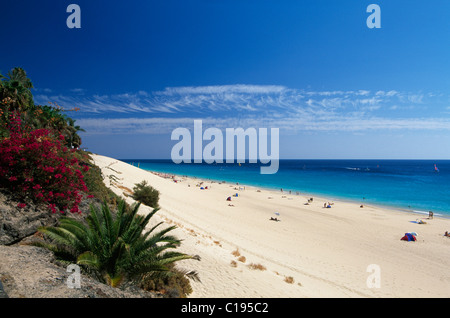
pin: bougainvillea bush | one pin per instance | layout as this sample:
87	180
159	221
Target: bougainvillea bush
36	166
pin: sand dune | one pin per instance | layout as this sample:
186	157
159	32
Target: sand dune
311	252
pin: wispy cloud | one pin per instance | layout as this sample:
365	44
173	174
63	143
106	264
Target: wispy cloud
223	89
160	125
42	90
256	106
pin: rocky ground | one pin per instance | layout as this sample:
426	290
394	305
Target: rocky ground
32	272
18	223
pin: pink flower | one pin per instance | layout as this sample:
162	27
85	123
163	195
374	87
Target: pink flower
75	209
52	207
49	169
37	164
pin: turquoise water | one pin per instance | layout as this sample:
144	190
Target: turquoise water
412	185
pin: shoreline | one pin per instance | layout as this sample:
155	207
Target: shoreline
311	251
318	195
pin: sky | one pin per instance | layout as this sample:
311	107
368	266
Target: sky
334	87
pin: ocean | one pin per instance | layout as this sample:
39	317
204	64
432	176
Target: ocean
410	185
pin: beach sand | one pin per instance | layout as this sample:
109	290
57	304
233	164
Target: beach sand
342	251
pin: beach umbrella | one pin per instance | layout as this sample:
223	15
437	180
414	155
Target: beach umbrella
408	237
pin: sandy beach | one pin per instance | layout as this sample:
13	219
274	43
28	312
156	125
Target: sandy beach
311	251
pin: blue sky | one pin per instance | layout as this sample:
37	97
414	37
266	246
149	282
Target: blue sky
335	88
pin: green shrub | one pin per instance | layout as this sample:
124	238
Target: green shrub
93	179
146	194
173	284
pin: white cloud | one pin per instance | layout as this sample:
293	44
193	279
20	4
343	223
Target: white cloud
354	123
222	89
238	98
252	105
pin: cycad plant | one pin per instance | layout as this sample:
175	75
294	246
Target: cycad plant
114	248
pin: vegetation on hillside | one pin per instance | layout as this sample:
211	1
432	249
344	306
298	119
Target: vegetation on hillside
115	248
41	163
40	156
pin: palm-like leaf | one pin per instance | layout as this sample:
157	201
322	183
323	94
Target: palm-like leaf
90	259
116	247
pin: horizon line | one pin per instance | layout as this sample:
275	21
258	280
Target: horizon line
224	159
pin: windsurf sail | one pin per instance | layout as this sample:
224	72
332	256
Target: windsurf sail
436	168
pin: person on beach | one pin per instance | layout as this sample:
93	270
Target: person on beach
430	214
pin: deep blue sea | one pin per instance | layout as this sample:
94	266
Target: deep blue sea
412	185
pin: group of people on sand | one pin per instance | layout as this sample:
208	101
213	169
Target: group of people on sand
325	205
229	199
290	191
164	175
430	216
